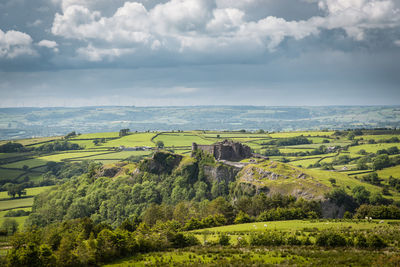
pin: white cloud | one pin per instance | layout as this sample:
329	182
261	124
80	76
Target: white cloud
49	44
95	54
204	26
356	16
14	44
397	42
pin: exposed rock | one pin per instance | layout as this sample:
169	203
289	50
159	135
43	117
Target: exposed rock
108	172
225	150
331	210
161	162
221	173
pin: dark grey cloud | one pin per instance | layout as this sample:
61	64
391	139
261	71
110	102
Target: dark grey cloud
173	52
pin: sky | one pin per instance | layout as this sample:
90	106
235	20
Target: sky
199	52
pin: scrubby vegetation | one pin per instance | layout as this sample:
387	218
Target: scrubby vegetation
100	208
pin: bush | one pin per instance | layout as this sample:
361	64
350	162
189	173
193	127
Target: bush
223	239
375	241
360	241
17	213
331	239
181	240
266	239
242	218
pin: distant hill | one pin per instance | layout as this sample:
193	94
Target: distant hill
17	123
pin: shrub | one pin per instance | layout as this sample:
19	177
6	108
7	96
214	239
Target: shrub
375	241
360	241
266	239
242	218
331	239
223	239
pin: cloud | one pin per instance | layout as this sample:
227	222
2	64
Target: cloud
36	23
397	42
14	44
97	54
198	27
49	44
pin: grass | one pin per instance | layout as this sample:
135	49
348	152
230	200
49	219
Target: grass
294	150
263	256
65	156
29	191
96	135
132	140
372	148
297	225
4	173
32	141
20	220
16	154
307	133
377	137
16	203
387	172
305	162
30	163
120	155
182	139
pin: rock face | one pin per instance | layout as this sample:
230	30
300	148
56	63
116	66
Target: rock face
221	173
225	150
161	162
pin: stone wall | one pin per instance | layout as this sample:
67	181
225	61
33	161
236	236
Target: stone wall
225	150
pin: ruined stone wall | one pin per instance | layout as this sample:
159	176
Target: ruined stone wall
226	150
206	148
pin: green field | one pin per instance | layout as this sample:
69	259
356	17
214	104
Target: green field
30	163
16	203
97	135
371	148
180	142
119	155
293	134
391	171
132	140
29	192
66	156
283	256
181	139
297	225
31	141
5	173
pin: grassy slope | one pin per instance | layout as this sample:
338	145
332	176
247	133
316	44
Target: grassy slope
313	184
296	225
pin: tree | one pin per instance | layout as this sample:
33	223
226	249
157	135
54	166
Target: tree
95	142
160	144
351	136
71	134
361	195
10	226
123	132
380	162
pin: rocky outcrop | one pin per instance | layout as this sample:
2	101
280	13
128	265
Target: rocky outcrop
225	150
161	162
220	172
331	210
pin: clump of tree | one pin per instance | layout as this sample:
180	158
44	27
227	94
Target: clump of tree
291	141
123	132
11	147
58	146
70	135
15	189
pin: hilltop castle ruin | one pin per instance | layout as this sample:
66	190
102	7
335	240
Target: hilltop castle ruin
225	150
